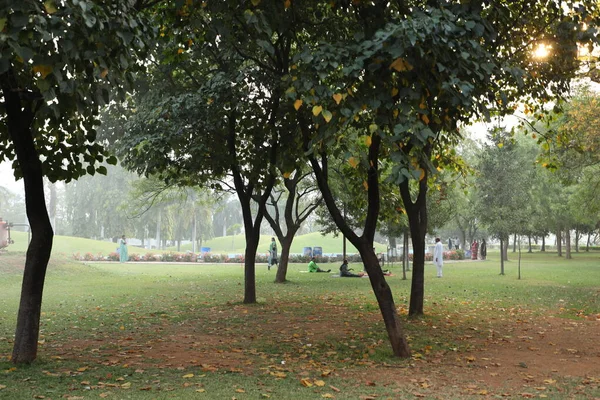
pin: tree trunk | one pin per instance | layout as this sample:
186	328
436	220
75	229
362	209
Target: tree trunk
417	221
514	243
530	248
587	244
577	237
559	242
568	255
385	299
543	243
18	119
502	249
364	243
284	258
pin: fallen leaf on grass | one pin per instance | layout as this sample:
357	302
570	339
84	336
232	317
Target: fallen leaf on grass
240	390
104	395
278	374
200	390
306	382
327	396
334	388
319	383
126	385
188	376
2	387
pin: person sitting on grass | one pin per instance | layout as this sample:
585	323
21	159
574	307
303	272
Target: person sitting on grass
313	267
344	271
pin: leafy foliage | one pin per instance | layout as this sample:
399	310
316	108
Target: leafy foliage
65	60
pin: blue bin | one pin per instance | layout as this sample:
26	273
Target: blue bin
307	251
317	251
204	250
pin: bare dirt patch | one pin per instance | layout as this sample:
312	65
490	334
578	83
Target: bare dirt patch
517	357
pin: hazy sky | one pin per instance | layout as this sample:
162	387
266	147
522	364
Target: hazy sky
7	179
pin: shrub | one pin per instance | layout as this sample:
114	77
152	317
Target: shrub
114	256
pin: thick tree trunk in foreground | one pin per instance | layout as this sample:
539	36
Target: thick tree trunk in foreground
19	119
282	267
364	243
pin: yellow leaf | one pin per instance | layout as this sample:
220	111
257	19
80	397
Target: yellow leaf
278	374
325	373
425	119
255	2
353	162
400	65
422	105
286	175
395	113
240	390
200	390
368	141
317	110
500	145
43	70
287	3
298	104
327	396
188	376
126	385
320	383
104	73
366	185
2	387
327	115
179	51
122	328
394	92
337	97
50	6
306	382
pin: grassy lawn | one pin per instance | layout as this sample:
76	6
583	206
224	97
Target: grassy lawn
164	331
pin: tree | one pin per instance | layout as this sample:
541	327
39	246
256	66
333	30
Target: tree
300	202
505	171
60	61
411	74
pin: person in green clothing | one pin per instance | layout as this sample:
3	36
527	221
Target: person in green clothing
313	267
272	254
123	256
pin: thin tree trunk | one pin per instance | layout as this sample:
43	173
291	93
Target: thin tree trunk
559	242
514	243
18	119
568	244
543	243
530	248
502	250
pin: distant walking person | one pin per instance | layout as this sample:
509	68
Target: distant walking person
272	254
123	256
483	249
438	256
474	248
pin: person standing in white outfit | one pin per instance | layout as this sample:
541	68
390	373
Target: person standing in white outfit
438	256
